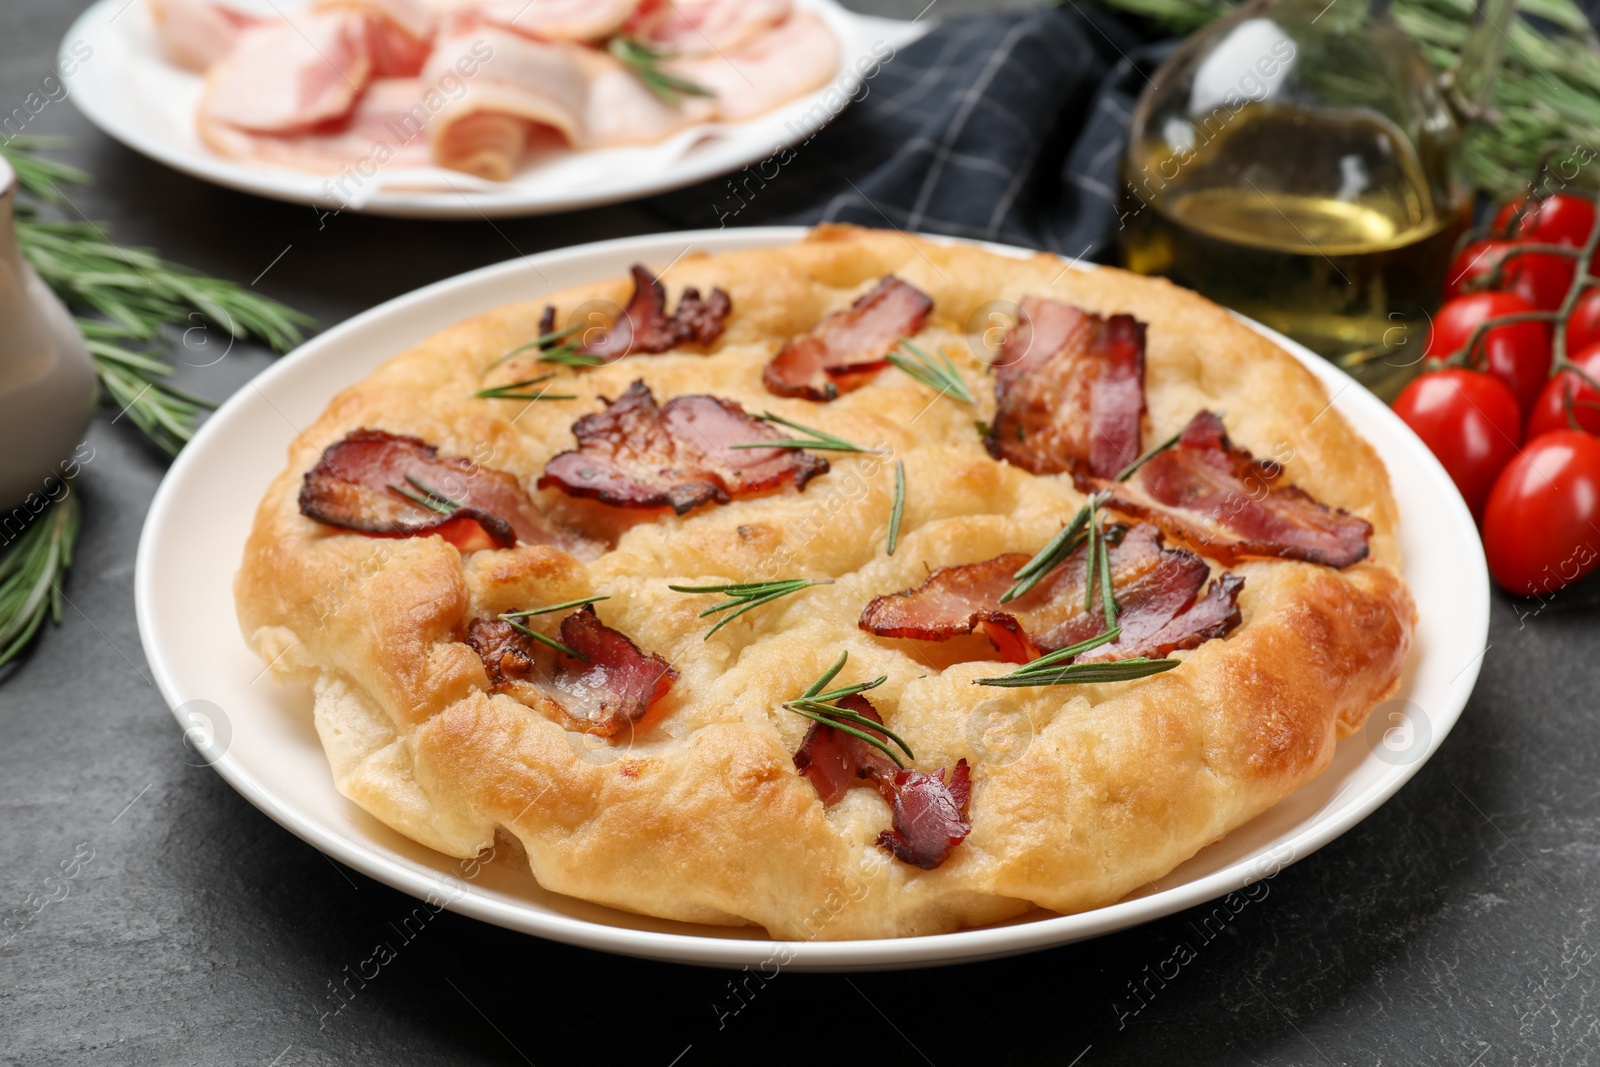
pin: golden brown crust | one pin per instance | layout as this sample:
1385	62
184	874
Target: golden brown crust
1081	794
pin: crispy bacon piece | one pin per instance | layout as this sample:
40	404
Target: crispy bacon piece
1156	589
361	482
835	761
645	326
1220	500
1069	391
615	686
930	816
847	347
636	454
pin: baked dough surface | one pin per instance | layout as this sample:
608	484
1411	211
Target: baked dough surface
1081	793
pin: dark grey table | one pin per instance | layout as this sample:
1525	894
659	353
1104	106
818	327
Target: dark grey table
1456	926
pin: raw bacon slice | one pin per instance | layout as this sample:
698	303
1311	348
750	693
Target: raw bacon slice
358	483
384	127
636	454
796	56
835	761
1156	589
399	33
848	346
523	89
645	326
197	33
689	27
547	20
612	687
1220	500
930	816
288	76
622	110
1069	391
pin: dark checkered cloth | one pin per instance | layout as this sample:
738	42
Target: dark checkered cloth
1000	127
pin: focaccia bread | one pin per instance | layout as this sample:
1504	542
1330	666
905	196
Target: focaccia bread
690	803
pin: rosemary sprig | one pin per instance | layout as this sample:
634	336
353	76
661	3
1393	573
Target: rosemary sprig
817	706
1056	668
645	62
819	440
1055	552
897	510
747	596
427	496
579	603
939	375
515	391
1122	670
565	352
511	618
31	573
141	300
1065	543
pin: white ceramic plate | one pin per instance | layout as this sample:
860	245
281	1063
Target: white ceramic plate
261	738
131	92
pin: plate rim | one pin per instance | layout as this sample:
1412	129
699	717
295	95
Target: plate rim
238	177
960	946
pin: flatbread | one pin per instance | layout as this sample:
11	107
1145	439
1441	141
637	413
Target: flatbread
1081	794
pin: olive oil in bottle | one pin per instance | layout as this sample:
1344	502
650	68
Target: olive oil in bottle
1322	226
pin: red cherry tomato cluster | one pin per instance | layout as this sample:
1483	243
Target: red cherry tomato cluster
1509	403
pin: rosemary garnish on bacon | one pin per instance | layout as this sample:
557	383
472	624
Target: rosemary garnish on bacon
645	62
540	343
1073	535
818	706
746	596
579	603
427	496
1056	668
819	441
938	374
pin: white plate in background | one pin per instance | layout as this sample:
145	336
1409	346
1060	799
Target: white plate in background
194	537
129	89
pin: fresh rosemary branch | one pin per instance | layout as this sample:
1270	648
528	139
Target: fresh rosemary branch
819	441
1057	668
1073	534
817	706
1055	553
139	297
1548	92
897	510
939	374
565	352
511	618
746	596
31	573
645	62
513	391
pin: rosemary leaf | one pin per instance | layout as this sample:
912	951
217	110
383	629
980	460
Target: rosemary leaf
1083	673
513	391
819	440
828	675
511	620
746	596
579	603
814	704
645	62
938	374
31	573
897	510
836	723
1131	469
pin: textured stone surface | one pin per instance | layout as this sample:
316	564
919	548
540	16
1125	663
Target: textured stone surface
1455	926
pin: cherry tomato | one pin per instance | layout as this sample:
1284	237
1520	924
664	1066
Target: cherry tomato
1583	325
1539	278
1557	220
1470	421
1541	526
1517	353
1550	410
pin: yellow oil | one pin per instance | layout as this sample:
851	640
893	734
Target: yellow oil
1323	229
